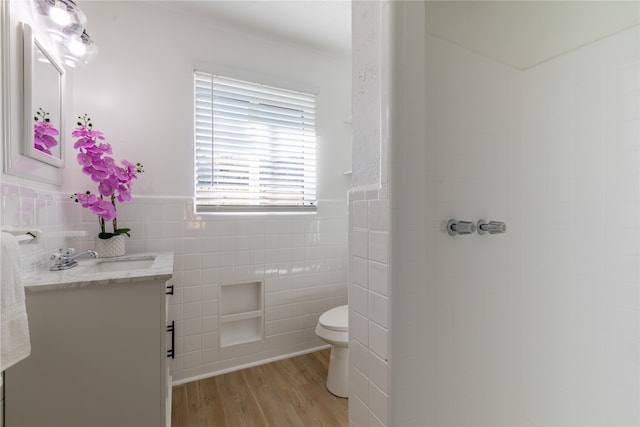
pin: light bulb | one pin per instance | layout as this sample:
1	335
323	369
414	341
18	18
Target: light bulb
76	47
70	62
59	16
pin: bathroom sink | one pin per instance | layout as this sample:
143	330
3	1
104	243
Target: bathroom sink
103	271
119	264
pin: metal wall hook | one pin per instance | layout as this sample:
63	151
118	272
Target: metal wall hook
455	227
491	227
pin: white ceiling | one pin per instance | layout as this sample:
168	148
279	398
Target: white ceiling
525	33
516	32
322	24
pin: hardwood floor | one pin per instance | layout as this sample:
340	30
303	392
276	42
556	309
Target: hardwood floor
289	392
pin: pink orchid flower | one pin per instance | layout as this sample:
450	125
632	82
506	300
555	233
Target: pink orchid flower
114	182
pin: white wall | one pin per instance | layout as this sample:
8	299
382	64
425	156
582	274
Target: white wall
472	151
580	170
138	91
538	326
455	299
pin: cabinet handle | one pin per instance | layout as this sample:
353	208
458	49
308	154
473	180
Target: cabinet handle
169	290
172	328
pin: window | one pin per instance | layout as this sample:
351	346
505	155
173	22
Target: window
255	147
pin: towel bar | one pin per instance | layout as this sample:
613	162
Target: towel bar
23	236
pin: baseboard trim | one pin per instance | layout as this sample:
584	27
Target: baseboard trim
248	365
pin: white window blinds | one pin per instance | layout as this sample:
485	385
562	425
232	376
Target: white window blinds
255	146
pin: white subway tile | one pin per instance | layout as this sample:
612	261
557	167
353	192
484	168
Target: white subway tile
191	261
210	356
192	310
191	278
359	356
210	339
191	326
358	413
226	276
209	276
226	259
358	385
378	278
209	323
379	215
379	403
242	243
379	372
359	214
379	309
209	292
209	308
192	359
172	245
358	300
378	247
359	328
242	257
378	341
192	294
191	229
360	243
191	343
359	273
171	229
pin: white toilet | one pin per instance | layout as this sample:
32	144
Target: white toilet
333	328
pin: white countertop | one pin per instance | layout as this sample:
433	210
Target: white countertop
76	277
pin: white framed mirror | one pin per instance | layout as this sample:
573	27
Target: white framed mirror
43	92
16	118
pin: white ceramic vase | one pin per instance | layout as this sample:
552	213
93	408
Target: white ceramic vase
111	247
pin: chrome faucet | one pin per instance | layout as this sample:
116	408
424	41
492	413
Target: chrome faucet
65	259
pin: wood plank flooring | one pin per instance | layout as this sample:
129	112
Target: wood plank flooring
289	392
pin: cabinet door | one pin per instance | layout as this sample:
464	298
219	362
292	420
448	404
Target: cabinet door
96	358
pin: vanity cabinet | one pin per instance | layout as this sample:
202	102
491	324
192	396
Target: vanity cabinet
98	358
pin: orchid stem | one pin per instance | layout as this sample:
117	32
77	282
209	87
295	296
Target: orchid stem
115	219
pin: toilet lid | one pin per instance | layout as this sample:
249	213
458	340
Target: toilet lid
336	319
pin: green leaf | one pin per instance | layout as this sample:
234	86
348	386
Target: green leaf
123	231
115	233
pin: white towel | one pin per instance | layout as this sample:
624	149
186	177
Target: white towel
15	344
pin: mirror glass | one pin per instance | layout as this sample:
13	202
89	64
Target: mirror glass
43	91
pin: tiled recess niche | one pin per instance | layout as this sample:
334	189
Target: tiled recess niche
241	307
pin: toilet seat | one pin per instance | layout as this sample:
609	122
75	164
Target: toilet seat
336	319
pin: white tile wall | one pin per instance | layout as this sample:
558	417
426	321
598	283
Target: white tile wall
369	307
302	261
24	207
581	340
528	328
369	304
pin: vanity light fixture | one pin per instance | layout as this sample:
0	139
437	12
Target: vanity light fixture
65	23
